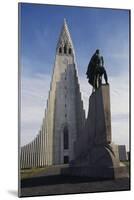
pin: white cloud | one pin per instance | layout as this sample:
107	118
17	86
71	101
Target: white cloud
120	109
34	91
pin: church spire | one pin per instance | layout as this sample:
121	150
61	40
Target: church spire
65	44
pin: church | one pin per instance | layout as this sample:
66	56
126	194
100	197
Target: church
64	117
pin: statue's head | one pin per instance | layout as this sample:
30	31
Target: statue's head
97	51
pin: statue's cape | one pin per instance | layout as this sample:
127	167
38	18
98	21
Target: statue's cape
91	70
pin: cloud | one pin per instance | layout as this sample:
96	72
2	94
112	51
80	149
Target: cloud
120	132
34	94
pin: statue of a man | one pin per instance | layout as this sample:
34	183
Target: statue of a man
96	70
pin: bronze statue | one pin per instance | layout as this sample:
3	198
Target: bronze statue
96	70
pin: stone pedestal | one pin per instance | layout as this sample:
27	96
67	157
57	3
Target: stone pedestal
95	155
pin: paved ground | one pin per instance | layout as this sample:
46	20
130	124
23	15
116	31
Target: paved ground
59	184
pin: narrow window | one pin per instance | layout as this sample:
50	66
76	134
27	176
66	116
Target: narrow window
65	49
66	139
66	159
70	50
60	50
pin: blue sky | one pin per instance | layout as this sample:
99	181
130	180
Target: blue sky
90	29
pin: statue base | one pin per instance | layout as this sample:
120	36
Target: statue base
95	155
99	163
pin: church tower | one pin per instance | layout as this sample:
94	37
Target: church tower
64	116
69	115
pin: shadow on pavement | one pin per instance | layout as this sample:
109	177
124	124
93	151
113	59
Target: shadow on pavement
52	180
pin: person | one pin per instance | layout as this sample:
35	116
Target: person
96	69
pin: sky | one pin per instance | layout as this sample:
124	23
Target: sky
90	29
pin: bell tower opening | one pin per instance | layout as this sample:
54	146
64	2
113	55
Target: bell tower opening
65	49
60	50
70	51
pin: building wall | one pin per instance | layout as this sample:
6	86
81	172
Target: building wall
122	153
64	109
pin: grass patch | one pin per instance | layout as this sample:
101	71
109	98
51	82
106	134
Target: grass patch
127	163
27	173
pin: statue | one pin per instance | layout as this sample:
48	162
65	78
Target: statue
96	70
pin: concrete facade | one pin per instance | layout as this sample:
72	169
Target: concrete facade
64	116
